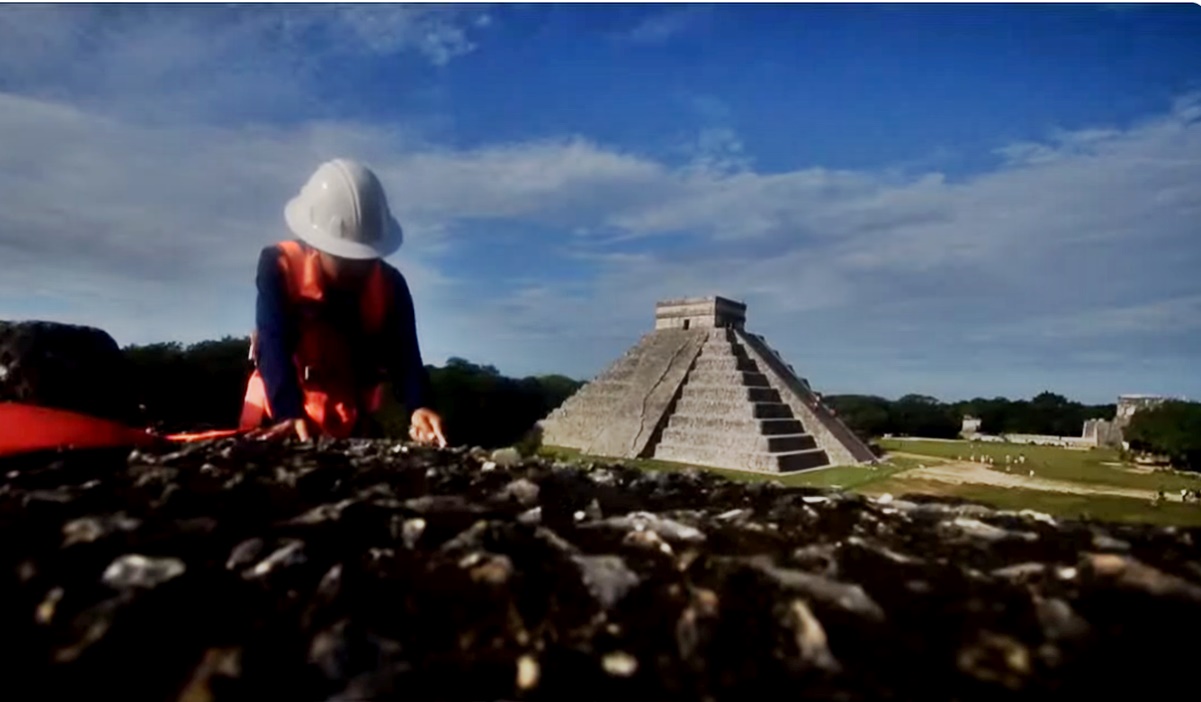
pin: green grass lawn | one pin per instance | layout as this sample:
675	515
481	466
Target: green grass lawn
845	477
1053	463
1101	507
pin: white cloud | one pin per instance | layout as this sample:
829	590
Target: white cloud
664	25
147	223
1167	317
1059	251
549	180
161	63
438	32
97	199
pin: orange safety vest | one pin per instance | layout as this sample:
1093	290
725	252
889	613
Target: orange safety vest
322	357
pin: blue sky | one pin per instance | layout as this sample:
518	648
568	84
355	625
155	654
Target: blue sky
954	200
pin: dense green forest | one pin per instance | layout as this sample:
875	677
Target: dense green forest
201	386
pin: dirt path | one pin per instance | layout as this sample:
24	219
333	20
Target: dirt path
962	472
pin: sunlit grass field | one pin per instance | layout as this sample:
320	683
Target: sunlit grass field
1087	467
1095	466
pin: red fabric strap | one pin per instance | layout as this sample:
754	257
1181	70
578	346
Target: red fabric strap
28	428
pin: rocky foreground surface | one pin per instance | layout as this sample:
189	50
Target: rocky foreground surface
368	571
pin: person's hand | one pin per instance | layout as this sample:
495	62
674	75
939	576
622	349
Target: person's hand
426	428
289	427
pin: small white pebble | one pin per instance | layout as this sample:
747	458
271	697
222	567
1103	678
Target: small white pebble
527	672
488	465
884	499
620	664
1067	573
411	531
579	515
136	570
45	611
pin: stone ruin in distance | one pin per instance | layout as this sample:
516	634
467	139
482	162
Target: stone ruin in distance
700	389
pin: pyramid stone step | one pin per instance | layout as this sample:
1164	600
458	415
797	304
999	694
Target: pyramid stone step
733	408
725	363
720	348
602	397
790	462
590	413
737	440
718	351
742	460
590	403
694	406
600	392
771	410
729	393
733	377
616	374
741	424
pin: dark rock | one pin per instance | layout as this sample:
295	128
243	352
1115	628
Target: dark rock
352	570
89	529
290	554
668	529
246	554
522	491
851	598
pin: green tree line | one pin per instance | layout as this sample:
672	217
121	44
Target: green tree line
922	415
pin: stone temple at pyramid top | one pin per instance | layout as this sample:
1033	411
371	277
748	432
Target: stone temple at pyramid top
700	313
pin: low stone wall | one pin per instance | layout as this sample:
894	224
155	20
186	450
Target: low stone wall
1048	440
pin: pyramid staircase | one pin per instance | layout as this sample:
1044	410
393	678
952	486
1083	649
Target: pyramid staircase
727	415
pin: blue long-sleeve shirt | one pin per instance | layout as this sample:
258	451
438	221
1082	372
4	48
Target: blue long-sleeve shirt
277	337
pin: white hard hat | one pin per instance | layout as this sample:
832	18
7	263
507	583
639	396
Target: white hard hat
342	210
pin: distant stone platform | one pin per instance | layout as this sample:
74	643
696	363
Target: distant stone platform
701	390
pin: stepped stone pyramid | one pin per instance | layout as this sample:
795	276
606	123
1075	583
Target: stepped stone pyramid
699	389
